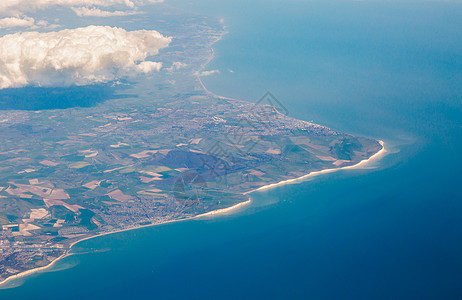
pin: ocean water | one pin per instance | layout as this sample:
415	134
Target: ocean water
387	70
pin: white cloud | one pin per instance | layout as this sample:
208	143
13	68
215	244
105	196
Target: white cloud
24	21
80	7
148	67
79	56
33	5
15	13
96	12
16	22
208	73
176	66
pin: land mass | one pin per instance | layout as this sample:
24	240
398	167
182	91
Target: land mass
172	152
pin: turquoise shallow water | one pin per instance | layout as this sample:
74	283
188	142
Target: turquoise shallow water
386	70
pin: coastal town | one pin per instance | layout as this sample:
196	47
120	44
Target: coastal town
173	151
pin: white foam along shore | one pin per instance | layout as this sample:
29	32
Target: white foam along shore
208	214
359	165
289	181
224	211
213	213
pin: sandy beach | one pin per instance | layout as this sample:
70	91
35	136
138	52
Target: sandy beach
359	165
214	213
225	210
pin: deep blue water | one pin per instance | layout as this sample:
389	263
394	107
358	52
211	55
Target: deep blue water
385	70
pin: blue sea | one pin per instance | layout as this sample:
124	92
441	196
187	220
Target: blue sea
390	70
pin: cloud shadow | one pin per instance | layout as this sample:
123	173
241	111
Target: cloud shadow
43	98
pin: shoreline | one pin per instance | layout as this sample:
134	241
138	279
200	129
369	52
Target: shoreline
288	181
213	213
209	60
377	155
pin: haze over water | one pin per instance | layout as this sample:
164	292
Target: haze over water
391	71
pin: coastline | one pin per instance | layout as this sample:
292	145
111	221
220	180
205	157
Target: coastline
377	155
209	60
213	213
